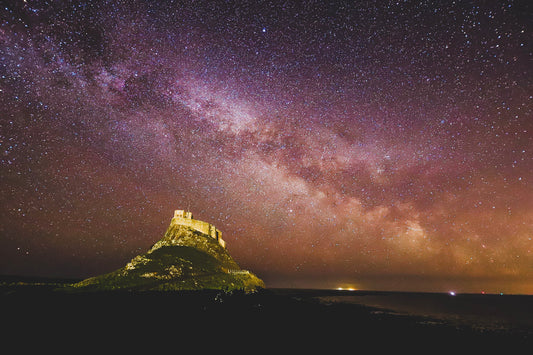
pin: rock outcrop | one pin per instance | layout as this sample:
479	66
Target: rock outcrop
184	259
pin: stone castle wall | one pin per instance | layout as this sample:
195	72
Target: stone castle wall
185	219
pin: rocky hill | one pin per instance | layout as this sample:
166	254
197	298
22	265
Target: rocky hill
184	259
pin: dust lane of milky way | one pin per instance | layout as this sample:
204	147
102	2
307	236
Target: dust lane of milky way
384	146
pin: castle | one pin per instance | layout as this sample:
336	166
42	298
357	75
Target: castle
184	218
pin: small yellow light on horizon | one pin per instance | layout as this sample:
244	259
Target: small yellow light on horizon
346	289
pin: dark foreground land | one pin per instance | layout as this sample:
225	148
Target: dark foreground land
37	315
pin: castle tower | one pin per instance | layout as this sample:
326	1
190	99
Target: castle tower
184	218
183	214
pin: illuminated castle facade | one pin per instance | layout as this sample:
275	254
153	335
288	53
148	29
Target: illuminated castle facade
184	218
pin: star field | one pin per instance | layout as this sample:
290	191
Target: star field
382	145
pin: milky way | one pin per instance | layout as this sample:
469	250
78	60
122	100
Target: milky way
382	146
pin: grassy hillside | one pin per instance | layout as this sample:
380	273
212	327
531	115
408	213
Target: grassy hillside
183	260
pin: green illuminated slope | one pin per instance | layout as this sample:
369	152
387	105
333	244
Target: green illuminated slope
184	259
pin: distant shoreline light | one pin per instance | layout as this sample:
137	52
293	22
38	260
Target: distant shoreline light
346	289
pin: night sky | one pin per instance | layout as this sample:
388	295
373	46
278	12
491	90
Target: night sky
376	145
